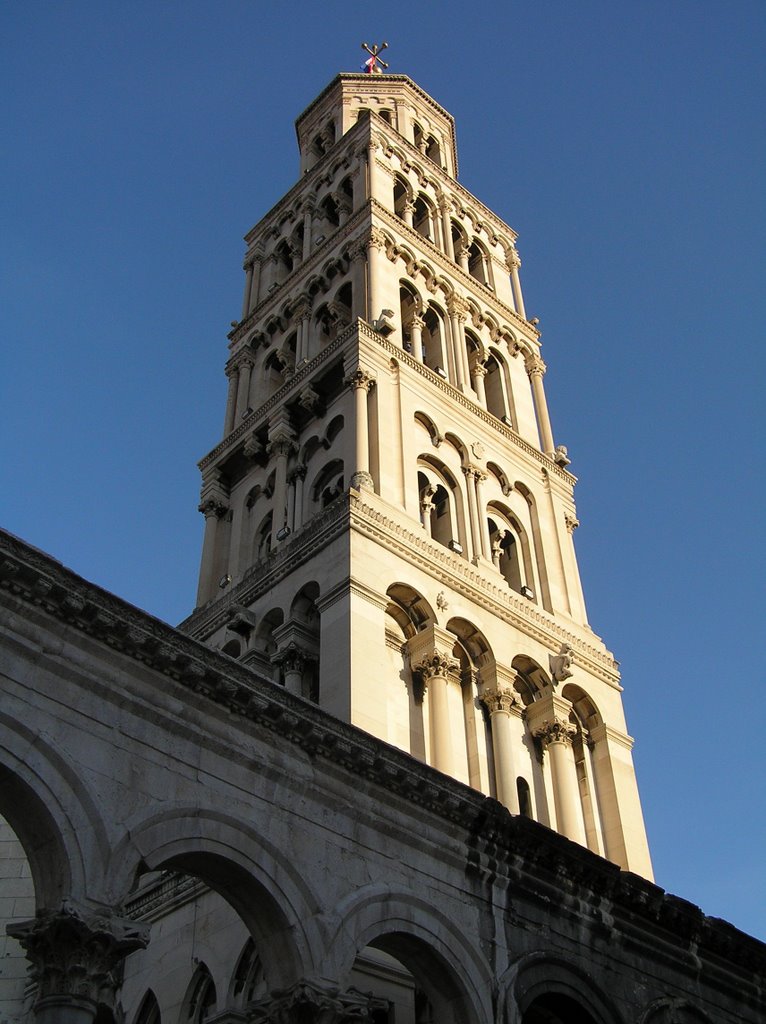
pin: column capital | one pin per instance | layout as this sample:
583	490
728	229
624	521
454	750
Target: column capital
377	239
281	444
571	522
534	365
417	321
213	507
458	307
291	657
301	308
500	698
436	664
313	1002
360	378
555	731
513	260
75	952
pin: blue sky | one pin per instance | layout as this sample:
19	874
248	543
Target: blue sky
622	141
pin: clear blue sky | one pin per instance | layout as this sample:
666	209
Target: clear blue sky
622	141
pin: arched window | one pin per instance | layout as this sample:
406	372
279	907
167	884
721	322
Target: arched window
262	543
433	340
423	219
409	307
525	797
149	1012
328	484
201	997
249	982
479	265
436	490
495	389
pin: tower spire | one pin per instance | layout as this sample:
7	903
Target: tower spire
371	65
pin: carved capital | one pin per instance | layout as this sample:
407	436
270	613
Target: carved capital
513	260
500	699
571	522
314	1002
377	239
213	507
292	658
437	664
534	365
75	952
281	445
555	731
458	307
309	398
417	322
360	378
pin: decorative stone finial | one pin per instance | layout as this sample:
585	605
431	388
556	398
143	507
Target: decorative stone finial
371	64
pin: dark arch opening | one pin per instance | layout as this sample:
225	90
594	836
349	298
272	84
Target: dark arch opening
555	1008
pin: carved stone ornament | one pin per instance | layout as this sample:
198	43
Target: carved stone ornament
478	448
75	952
571	522
292	658
437	664
213	507
555	731
360	378
500	699
561	456
441	601
313	1002
252	447
561	663
534	365
309	398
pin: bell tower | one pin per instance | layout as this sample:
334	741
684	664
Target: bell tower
388	522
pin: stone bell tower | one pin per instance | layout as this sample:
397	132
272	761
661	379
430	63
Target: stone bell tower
388	522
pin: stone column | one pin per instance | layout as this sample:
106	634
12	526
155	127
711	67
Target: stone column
514	262
470	486
462	257
255	281
213	509
308	214
292	660
298	476
458	313
358	277
556	737
376	245
426	507
535	368
444	209
479	476
409	211
231	400
245	368
75	954
502	702
301	311
434	671
361	382
416	325
478	373
248	268
280	447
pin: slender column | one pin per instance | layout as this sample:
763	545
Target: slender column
361	382
280	446
255	281
479	476
462	257
301	311
468	472
478	373
426	507
231	401
358	276
245	367
299	475
501	702
375	253
417	323
248	268
444	208
308	214
556	737
458	313
213	510
344	206
535	368
75	956
435	671
292	660
409	211
514	262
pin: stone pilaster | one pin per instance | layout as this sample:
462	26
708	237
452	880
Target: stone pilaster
361	382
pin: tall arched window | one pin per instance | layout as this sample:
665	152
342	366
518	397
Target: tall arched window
149	1012
201	997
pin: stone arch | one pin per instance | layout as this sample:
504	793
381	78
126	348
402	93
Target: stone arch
537	543
540	978
673	1011
441	504
247	980
148	1010
427	941
54	816
531	679
201	996
265	887
511	549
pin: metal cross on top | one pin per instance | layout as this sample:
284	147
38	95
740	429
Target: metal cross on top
371	65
